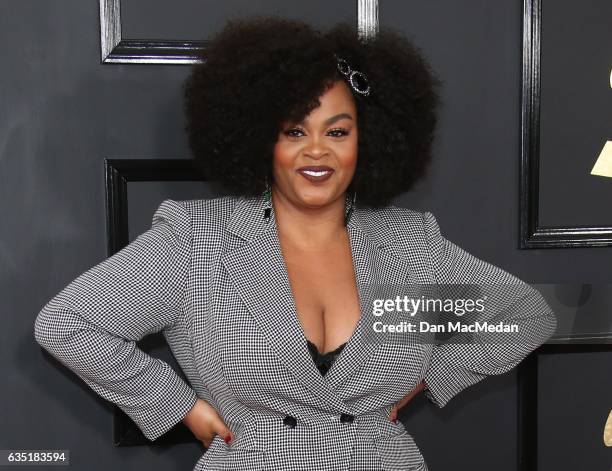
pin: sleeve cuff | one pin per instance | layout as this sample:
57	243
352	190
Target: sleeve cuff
445	380
176	400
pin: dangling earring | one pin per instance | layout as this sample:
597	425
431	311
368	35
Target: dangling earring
350	207
267	195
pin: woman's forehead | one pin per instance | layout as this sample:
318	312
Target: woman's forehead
336	103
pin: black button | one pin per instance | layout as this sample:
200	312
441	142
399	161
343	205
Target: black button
290	421
347	418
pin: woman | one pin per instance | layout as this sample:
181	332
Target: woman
263	294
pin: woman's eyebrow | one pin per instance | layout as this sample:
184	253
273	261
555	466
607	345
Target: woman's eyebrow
338	117
333	119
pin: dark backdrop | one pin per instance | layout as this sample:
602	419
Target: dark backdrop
62	113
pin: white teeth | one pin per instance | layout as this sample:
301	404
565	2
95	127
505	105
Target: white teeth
316	174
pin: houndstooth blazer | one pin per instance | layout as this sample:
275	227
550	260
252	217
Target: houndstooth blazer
210	274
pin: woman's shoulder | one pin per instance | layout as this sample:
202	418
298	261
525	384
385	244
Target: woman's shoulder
407	224
399	213
404	218
197	215
210	214
210	210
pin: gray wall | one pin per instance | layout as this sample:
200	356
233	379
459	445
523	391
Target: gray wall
62	113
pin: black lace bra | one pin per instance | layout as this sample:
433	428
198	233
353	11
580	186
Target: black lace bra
324	361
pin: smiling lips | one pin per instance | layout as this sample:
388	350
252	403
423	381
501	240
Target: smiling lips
317	173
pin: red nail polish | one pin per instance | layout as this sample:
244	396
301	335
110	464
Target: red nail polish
394	421
228	439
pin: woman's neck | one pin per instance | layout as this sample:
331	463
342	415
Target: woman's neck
315	229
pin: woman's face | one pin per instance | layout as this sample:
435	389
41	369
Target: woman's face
314	161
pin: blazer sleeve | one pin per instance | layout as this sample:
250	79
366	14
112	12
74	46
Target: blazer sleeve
456	366
93	324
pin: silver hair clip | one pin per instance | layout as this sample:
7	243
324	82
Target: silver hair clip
358	80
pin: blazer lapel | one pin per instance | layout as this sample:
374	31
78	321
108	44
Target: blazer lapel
258	271
259	274
377	271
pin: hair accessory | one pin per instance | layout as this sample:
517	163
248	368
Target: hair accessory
358	80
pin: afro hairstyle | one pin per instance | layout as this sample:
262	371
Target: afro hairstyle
262	71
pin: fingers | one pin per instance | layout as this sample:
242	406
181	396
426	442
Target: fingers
205	422
405	400
393	414
397	407
223	431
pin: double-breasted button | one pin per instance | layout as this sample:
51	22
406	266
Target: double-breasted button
347	418
290	421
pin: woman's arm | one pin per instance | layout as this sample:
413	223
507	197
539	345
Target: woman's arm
455	366
93	324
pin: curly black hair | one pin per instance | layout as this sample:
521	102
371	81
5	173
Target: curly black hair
262	71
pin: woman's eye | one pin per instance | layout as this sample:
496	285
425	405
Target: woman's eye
292	132
339	132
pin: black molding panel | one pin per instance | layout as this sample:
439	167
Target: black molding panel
532	233
115	49
118	173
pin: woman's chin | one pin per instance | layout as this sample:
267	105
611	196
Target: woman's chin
316	201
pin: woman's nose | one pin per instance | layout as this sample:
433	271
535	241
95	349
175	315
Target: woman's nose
316	150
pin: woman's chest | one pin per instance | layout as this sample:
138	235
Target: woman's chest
249	313
325	294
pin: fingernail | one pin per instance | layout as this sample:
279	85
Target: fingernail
394	421
228	439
